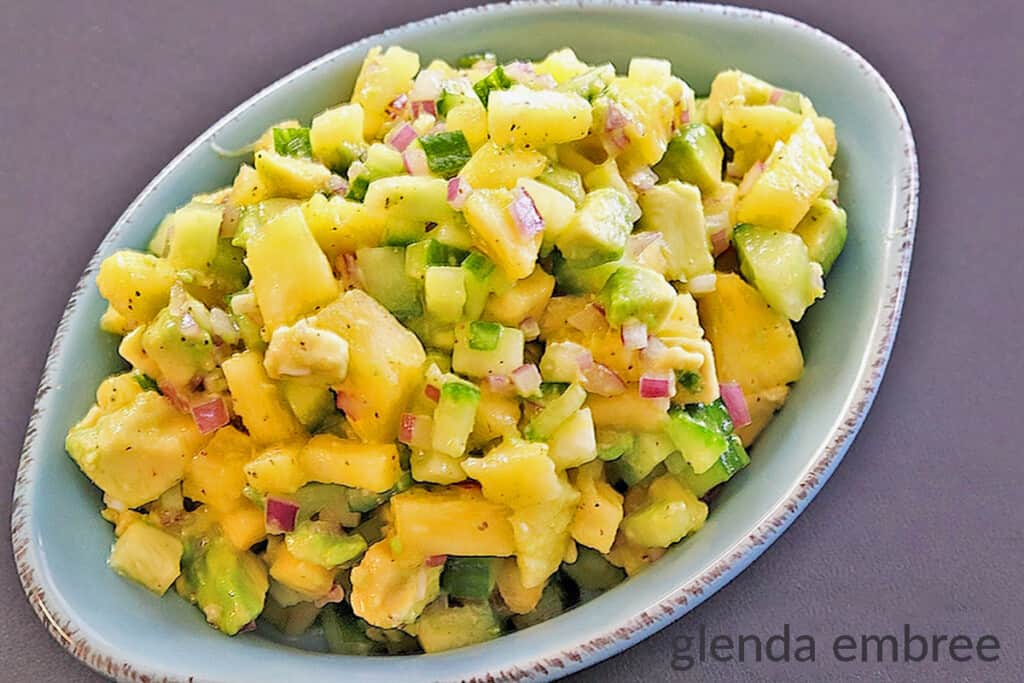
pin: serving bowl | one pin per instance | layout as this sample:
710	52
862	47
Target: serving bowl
122	631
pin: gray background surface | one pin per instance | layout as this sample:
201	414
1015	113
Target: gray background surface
921	524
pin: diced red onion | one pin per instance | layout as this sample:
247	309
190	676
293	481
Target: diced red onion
530	329
656	386
702	284
524	213
432	392
415	161
601	380
750	178
736	403
397	106
719	241
684	117
588	319
336	594
584	359
337	185
416	430
643	178
775	96
526	379
435	560
281	514
458	191
210	416
402	137
420	107
634	335
639	242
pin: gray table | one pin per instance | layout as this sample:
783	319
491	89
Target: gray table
922	522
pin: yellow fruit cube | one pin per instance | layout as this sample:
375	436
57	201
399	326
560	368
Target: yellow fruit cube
277	469
471	118
390	591
497	416
542	535
148	555
629	411
244	526
516	473
527	298
340	225
311	580
523	117
562	65
762	406
137	285
373	466
496	234
383	77
336	134
492	167
290	176
249	187
257	400
599	510
516	596
451	521
215	475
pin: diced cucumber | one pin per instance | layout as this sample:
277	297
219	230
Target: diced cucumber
409	203
591	571
327	502
590	83
732	461
695	156
823	230
384	278
649	450
573	443
445	292
556	412
496	80
292	142
597	233
469	578
484	336
344	634
700	442
450	100
194	235
446	627
779	266
429	252
506	356
612	445
447	152
561	361
147	555
454	416
637	293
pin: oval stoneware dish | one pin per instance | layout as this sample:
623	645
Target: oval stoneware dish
120	630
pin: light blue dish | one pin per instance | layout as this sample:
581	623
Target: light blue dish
119	629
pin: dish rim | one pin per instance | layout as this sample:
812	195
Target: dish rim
682	598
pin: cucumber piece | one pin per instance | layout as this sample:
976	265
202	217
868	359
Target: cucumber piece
447	152
699	441
823	230
597	233
445	292
592	572
292	142
502	360
635	292
454	417
779	266
553	601
496	80
649	450
345	634
195	231
660	523
384	278
590	83
361	500
732	461
429	252
612	445
328	502
357	188
445	627
469	60
469	578
448	101
556	412
694	156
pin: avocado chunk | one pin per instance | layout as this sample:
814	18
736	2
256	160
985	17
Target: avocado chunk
592	572
553	601
345	633
229	585
469	578
597	233
700	442
713	416
320	543
634	292
665	520
648	451
779	266
447	627
823	230
385	279
572	279
675	210
695	156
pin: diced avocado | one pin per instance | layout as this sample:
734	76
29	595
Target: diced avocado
484	335
320	543
292	620
469	578
446	627
502	360
444	289
779	266
823	230
385	279
557	411
147	555
565	180
179	347
732	461
661	523
634	292
597	233
700	442
591	571
327	502
229	585
345	634
310	403
575	280
694	155
612	445
454	416
649	450
675	210
553	601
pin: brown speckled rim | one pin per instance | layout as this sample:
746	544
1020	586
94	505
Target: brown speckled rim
120	667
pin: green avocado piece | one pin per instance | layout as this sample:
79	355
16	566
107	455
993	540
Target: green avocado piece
230	586
469	578
695	156
635	292
575	280
823	230
597	232
648	451
446	627
780	267
321	543
591	571
179	347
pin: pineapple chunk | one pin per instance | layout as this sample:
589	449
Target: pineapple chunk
496	234
148	555
562	65
257	400
529	118
332	460
310	580
516	473
385	364
599	511
451	521
492	167
574	443
629	412
517	597
762	406
556	208
391	591
336	134
384	76
471	118
650	111
277	469
753	344
136	285
131	350
117	391
527	298
137	452
290	274
216	475
249	187
542	534
794	175
244	526
290	176
340	225
731	88
705	389
497	416
436	468
752	131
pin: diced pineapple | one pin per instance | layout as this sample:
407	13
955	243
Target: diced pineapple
599	510
752	131
249	187
391	591
148	555
497	416
131	350
517	597
444	292
244	526
113	322
562	65
672	512
384	76
492	167
526	299
332	460
290	274
753	344
720	210
451	521
137	285
471	118
705	387
385	364
257	400
529	118
117	391
574	442
516	473
337	134
436	468
277	469
310	580
732	88
793	177
340	225
762	406
137	452
683	322
650	111
629	412
194	236
633	558
542	534
556	208
496	234
291	176
215	475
